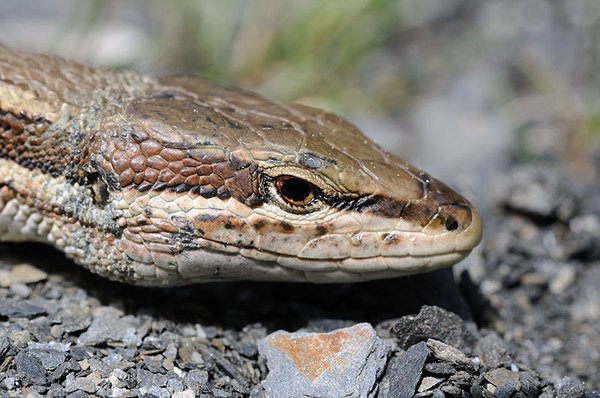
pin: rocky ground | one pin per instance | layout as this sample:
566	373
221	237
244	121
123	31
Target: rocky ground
521	320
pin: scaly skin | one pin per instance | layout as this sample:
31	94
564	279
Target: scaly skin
176	180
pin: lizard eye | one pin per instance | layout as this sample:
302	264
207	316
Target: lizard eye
296	191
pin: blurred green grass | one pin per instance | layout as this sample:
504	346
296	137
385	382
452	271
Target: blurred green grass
380	58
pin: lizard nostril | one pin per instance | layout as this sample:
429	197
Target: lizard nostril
451	224
456	218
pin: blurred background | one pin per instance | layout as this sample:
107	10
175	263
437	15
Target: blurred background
461	88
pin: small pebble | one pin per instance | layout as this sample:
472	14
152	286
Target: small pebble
21	274
492	351
184	394
448	353
428	382
20	309
20	290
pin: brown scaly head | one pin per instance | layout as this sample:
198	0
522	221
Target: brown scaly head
178	180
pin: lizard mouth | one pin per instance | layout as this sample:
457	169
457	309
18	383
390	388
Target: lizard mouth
401	253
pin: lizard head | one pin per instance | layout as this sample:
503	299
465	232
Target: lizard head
177	180
217	183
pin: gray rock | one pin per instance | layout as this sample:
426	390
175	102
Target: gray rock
196	377
112	359
220	393
448	353
433	323
428	383
153	345
69	366
492	351
530	384
110	326
440	368
540	194
153	363
30	367
56	391
502	376
453	391
78	394
20	338
569	388
154	391
438	394
20	290
403	373
583	243
170	351
248	349
505	390
176	386
258	392
213	355
9	383
462	379
184	394
88	384
327	325
50	354
4	346
477	390
80	353
21	274
20	309
345	362
506	382
196	380
74	319
148	379
35	392
40	329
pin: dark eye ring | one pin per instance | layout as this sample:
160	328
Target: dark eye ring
296	191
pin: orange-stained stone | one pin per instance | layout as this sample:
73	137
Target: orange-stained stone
313	355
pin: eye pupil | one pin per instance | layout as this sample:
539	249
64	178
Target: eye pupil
295	190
